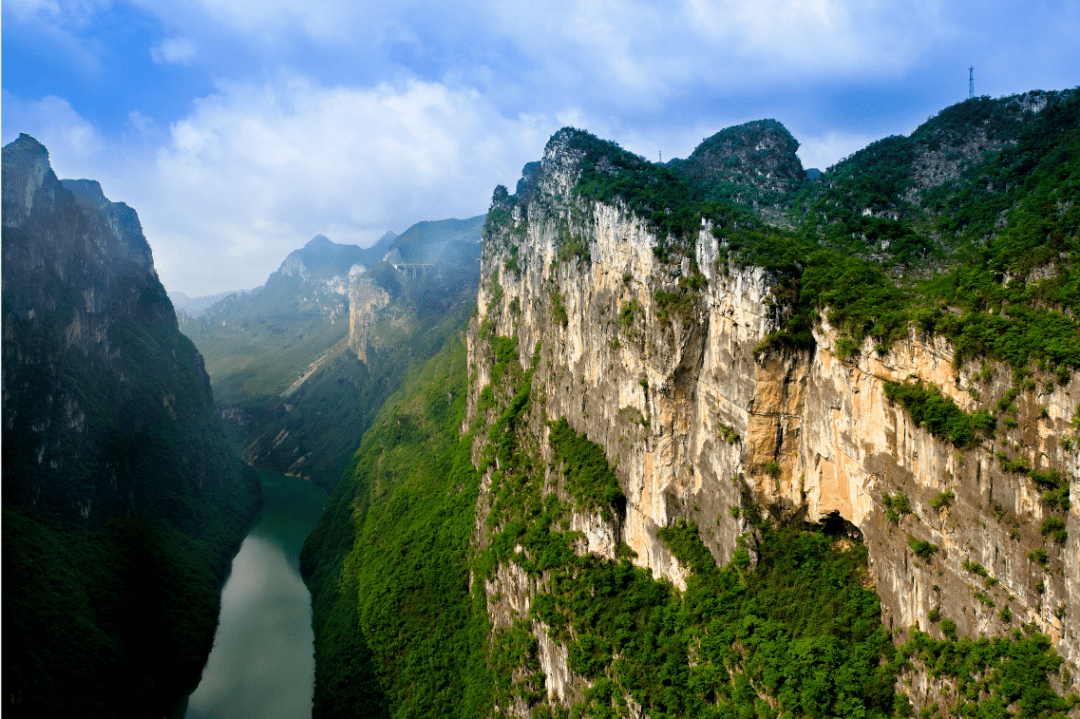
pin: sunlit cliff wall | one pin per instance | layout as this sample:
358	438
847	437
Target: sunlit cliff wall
696	424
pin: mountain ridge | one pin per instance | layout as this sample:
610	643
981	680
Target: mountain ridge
124	501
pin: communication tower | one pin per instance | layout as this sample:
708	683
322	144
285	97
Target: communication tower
971	82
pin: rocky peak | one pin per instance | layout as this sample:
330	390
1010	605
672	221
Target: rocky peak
527	184
320	260
759	153
25	166
319	242
561	166
88	193
83	239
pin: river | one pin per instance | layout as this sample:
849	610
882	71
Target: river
262	665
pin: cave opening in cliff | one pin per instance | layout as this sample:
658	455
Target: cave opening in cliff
834	525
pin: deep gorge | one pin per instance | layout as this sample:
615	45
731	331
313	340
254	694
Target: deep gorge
704	438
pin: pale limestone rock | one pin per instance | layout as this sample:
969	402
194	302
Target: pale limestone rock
660	400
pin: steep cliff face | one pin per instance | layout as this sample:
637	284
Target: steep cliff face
88	328
719	462
365	300
659	359
123	499
422	274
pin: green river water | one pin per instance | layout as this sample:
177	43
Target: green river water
262	664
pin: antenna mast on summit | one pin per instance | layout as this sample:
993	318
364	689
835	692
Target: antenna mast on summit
971	82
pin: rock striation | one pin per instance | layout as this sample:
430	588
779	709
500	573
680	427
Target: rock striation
701	420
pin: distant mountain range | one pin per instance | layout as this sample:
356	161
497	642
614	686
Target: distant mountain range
300	364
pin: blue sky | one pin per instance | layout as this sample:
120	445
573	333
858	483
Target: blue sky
239	129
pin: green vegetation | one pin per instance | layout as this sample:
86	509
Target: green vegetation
922	548
398	632
774	631
1054	526
943	500
558	309
1054	485
978	569
127	610
896	505
938	413
573	247
728	433
991	675
590	481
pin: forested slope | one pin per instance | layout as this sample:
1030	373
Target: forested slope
123	499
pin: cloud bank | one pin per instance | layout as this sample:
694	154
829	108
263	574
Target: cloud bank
256	170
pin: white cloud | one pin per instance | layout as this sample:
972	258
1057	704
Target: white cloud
174	51
826	150
71	13
256	170
24	9
626	53
74	144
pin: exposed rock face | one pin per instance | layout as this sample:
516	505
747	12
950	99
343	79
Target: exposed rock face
691	419
80	286
316	277
427	256
123	499
365	299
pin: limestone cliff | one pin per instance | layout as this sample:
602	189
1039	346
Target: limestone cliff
123	500
701	420
365	299
93	358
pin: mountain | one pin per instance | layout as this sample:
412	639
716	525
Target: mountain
301	365
752	164
957	175
726	458
432	241
257	343
195	306
123	499
375	253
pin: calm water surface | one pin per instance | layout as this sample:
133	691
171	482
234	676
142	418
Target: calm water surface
262	665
